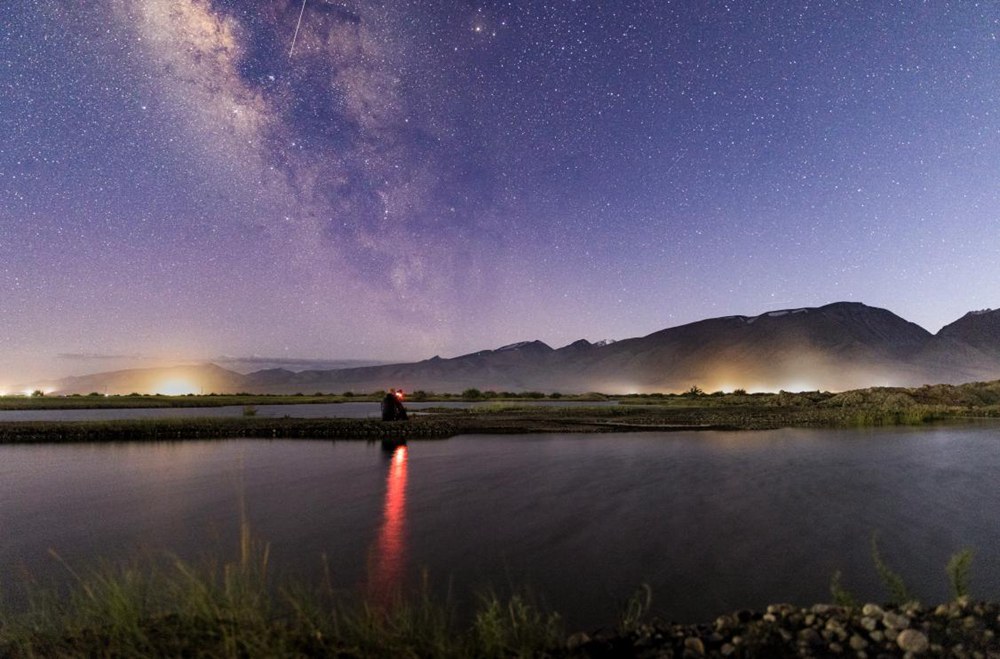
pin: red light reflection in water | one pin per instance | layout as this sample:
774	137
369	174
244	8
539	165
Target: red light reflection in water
386	566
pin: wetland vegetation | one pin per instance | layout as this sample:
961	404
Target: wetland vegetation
240	609
509	413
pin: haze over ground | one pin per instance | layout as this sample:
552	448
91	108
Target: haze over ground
178	183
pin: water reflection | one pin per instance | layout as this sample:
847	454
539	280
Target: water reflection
388	553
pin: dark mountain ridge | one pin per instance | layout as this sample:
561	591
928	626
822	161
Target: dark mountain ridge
838	346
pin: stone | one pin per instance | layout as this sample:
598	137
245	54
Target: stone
895	620
694	645
869	623
877	636
857	643
576	640
724	622
810	636
727	649
836	648
910	640
871	610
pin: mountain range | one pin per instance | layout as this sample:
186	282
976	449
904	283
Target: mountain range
844	345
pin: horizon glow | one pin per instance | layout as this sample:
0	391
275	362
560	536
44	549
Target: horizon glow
420	179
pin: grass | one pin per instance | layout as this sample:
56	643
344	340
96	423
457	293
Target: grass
135	400
692	411
958	569
158	401
238	609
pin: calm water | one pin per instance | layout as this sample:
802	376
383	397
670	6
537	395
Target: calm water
302	411
712	521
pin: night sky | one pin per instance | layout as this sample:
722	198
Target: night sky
195	179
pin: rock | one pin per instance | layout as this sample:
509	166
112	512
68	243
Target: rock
895	620
576	640
811	637
869	623
693	644
727	649
724	622
871	610
877	636
910	640
836	648
857	643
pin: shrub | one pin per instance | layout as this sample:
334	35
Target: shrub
958	568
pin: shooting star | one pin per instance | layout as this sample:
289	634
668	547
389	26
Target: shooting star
297	26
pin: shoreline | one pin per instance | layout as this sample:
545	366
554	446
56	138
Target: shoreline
509	413
443	423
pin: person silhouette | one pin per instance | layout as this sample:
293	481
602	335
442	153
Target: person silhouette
389	404
392	406
400	410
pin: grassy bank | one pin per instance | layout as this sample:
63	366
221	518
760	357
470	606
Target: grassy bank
238	609
445	422
100	401
691	411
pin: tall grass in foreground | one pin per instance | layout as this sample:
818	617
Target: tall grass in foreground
237	609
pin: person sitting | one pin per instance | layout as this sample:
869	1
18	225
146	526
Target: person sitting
400	410
392	406
389	406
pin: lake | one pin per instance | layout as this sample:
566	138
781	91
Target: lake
712	521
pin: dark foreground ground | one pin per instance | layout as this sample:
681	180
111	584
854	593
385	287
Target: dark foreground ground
959	629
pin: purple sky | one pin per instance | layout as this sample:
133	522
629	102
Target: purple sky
421	178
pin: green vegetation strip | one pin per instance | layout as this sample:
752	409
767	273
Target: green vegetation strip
692	411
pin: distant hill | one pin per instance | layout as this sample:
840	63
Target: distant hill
979	329
839	346
196	379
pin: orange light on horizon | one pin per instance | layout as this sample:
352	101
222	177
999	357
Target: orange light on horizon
176	387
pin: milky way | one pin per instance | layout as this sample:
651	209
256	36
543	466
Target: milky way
416	178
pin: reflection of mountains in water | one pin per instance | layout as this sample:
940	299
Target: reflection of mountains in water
838	346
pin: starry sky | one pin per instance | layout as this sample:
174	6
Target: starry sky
286	181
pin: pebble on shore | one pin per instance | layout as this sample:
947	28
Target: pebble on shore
960	629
